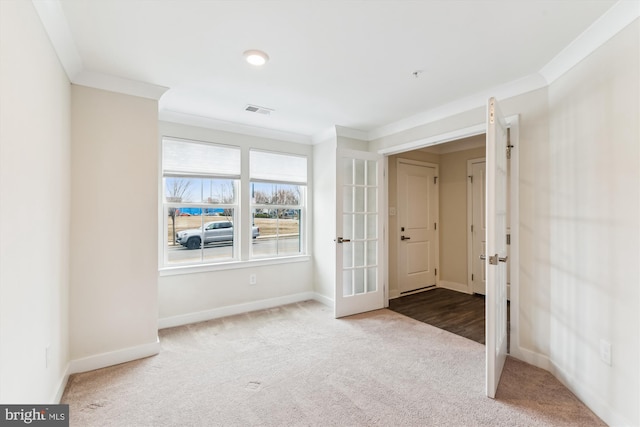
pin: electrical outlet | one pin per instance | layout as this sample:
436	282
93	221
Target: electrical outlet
252	279
605	352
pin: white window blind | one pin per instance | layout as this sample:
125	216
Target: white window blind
267	166
197	158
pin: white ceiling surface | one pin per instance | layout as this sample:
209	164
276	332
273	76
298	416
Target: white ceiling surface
346	63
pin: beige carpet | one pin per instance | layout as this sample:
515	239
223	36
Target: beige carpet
297	366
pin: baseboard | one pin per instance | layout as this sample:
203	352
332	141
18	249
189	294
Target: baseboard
111	358
454	286
62	385
230	310
323	299
531	357
593	402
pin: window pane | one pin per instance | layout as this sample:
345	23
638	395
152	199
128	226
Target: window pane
358	281
186	233
358	253
359	199
347	199
372	200
218	190
372	282
347	226
276	232
277	167
199	190
347	255
372	252
359	171
372	226
372	172
277	194
182	189
199	158
358	226
347	283
181	222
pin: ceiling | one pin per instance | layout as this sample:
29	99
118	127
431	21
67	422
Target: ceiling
346	63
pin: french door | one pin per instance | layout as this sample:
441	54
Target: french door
359	285
496	246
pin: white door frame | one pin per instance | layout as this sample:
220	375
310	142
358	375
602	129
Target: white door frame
514	258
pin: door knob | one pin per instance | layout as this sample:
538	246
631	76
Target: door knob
493	260
405	238
341	240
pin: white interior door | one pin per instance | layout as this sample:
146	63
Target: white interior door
417	222
478	226
359	226
496	254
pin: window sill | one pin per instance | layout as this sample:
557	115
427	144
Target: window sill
232	265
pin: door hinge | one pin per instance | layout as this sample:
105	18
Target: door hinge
435	225
508	239
471	178
435	179
472	228
435	272
472	277
509	147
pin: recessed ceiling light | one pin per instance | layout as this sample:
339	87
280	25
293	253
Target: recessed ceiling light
256	57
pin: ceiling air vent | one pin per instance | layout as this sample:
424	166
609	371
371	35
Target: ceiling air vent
257	109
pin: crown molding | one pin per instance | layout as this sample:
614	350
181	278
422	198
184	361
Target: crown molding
352	133
613	21
57	28
120	85
233	127
478	100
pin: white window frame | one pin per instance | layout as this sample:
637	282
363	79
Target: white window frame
166	205
243	215
302	182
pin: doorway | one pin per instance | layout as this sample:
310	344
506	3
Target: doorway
429	150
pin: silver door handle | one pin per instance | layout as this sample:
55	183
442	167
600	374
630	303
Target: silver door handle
341	240
405	238
493	260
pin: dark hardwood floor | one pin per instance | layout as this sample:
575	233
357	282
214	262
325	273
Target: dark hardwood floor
456	312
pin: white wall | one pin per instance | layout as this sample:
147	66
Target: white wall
34	210
186	298
324	224
594	235
114	214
